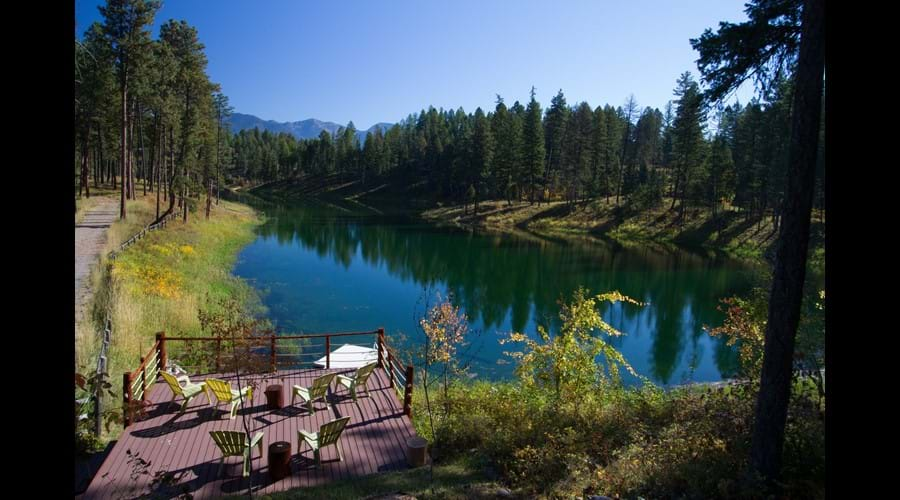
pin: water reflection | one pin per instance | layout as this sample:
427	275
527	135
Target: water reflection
326	267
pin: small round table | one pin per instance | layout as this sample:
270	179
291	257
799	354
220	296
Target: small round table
279	460
275	397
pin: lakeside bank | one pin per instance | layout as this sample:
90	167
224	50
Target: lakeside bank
162	281
729	231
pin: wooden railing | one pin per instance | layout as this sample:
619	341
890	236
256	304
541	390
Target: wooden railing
102	359
399	375
143	232
282	352
136	384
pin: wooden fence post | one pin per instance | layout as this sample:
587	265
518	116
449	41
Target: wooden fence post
380	347
126	398
143	380
407	392
98	405
391	367
274	366
327	352
218	353
163	357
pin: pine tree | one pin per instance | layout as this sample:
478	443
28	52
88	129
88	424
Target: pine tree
507	135
771	42
721	172
482	155
599	181
578	161
687	138
612	159
533	144
626	157
514	149
194	93
223	112
126	25
554	134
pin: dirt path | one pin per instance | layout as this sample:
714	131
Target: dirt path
90	237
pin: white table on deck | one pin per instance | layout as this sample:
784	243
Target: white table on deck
350	356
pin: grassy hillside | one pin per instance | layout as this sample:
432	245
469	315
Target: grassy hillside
160	282
729	231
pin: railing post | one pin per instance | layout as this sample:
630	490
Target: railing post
126	398
274	366
391	367
143	380
407	392
218	353
163	357
327	352
380	347
98	405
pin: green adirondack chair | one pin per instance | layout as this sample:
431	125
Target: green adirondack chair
188	391
318	390
225	394
358	379
329	434
236	444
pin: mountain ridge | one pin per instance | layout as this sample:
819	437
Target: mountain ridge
302	129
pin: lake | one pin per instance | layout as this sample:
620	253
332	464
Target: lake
325	267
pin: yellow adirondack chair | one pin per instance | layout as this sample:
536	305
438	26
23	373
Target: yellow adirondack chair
236	444
329	435
188	391
225	394
318	390
358	379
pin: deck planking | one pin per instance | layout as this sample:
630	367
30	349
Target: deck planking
374	440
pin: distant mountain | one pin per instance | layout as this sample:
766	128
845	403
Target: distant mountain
304	129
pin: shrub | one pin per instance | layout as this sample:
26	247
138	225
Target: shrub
565	429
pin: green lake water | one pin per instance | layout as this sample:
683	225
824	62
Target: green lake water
321	267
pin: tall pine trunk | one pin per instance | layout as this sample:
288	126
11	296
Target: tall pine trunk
143	157
675	190
126	180
98	159
218	175
790	259
160	155
165	164
171	181
84	170
208	197
124	154
184	193
164	171
132	156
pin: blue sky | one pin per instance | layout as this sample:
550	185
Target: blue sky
377	61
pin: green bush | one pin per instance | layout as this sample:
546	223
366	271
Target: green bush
647	442
567	428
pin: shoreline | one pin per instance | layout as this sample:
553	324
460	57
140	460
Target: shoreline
598	222
729	231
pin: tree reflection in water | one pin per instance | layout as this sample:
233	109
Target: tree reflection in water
324	267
